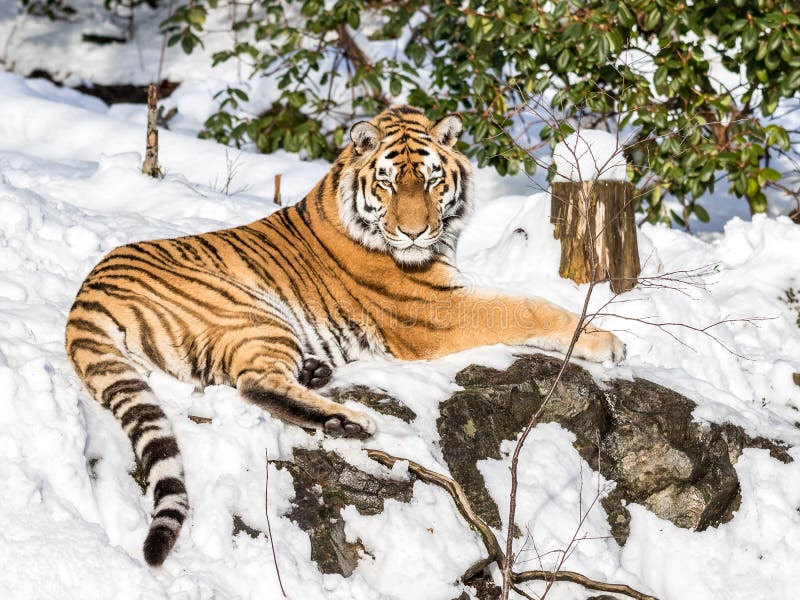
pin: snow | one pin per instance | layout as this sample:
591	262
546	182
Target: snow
68	199
72	519
590	154
437	550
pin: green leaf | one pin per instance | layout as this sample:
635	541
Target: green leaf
758	203
701	213
416	53
196	16
677	218
752	188
660	77
353	19
749	37
563	60
187	43
770	174
652	18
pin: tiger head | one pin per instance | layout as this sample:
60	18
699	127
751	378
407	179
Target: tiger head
405	189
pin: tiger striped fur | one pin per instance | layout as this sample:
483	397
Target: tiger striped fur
362	266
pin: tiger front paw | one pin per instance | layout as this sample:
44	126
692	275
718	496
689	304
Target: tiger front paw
598	345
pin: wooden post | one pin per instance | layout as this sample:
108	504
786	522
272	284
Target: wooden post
277	198
150	166
594	220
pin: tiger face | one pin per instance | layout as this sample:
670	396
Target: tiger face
407	190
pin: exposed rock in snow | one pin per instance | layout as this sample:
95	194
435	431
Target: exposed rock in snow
324	484
637	434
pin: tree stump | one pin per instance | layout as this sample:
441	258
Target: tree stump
594	220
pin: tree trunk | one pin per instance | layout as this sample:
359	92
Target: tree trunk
594	220
150	166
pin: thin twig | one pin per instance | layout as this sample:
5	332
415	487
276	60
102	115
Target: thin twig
704	330
269	529
512	502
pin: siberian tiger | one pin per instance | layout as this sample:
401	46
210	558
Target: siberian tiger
362	266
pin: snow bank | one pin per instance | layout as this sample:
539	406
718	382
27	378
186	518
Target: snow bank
72	519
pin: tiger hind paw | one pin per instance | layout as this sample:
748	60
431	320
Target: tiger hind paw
342	426
315	373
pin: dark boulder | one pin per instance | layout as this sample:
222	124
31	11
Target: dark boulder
639	434
324	484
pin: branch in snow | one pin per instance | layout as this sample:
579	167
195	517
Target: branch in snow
573	577
269	529
490	541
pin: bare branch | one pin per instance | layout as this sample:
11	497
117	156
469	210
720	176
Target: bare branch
269	528
572	577
462	503
512	502
456	492
704	329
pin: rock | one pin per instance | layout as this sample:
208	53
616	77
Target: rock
239	526
484	587
636	433
383	403
792	299
324	484
496	405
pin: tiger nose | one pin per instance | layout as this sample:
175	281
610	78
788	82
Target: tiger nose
412	234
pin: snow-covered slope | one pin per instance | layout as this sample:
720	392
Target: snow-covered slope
72	520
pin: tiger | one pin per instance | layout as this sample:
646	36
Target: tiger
363	266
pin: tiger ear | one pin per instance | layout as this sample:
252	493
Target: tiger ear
365	136
447	130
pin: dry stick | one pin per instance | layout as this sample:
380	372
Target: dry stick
150	166
512	503
507	567
573	577
456	492
277	198
269	529
703	330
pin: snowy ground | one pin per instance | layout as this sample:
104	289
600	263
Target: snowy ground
70	191
72	520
